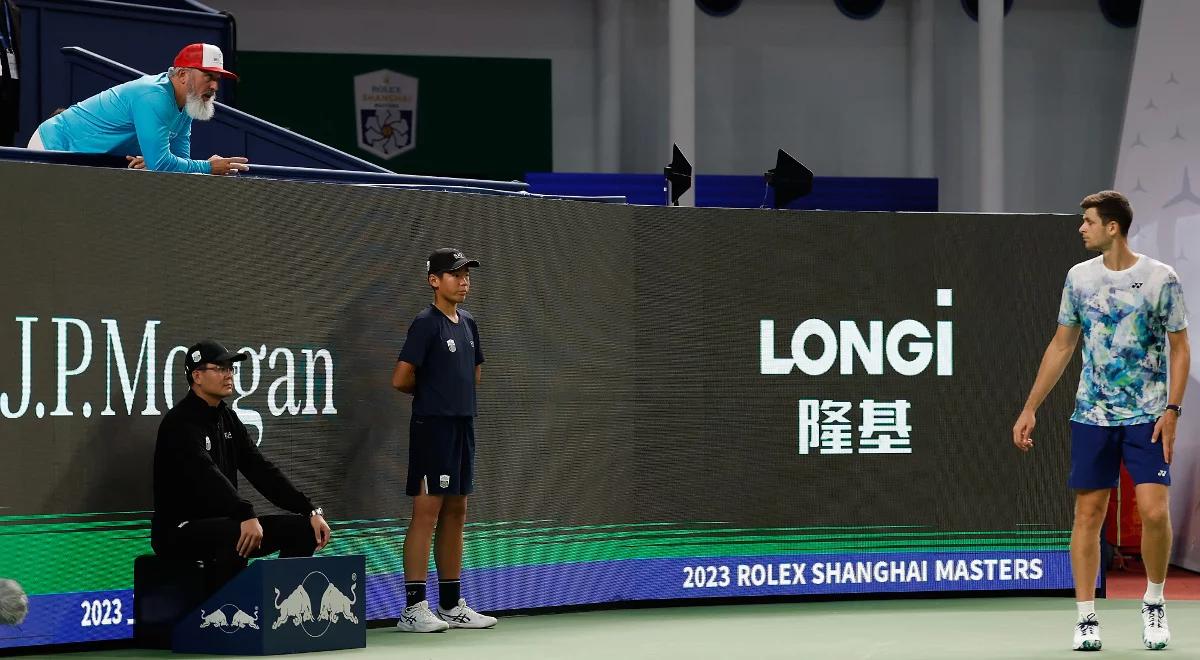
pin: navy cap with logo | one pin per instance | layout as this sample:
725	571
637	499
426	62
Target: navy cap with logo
444	260
209	351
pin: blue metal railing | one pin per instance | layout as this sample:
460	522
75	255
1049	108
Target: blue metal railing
62	157
377	179
190	5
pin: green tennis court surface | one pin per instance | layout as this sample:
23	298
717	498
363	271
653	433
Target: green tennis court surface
975	628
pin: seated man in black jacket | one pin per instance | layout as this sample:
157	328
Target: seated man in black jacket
202	445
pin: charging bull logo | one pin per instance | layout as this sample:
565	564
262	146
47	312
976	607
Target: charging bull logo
216	619
228	618
242	620
297	607
334	606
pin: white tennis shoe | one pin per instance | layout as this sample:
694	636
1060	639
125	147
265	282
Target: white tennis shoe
1155	634
462	616
419	618
1087	634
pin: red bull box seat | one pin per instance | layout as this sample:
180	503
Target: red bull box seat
278	606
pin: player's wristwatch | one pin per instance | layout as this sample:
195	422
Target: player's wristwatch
317	512
1178	410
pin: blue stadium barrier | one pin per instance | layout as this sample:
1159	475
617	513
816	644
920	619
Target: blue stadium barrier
730	191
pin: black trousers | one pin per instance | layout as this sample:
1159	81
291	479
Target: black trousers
215	539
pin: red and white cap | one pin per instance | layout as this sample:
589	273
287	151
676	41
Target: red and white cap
205	57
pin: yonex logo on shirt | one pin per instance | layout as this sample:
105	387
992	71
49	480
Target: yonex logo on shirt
1137	285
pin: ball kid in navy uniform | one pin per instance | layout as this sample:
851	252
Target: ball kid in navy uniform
440	366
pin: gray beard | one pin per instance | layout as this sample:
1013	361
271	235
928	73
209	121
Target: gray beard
197	108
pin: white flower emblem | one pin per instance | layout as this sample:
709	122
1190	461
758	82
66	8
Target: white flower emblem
387	131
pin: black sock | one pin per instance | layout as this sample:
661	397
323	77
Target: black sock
450	591
414	592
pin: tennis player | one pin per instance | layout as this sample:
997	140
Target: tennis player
1128	308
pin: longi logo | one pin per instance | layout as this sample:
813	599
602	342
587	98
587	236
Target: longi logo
76	343
908	346
334	607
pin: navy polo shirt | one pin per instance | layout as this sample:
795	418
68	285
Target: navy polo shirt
445	355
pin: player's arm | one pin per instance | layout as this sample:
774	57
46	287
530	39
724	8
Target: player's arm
1181	357
1054	362
404	377
478	374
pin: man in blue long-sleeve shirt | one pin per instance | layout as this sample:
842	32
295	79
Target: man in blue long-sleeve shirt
151	117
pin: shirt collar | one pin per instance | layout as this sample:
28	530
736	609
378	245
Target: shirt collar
196	403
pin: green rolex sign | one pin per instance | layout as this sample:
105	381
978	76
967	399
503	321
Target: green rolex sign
445	116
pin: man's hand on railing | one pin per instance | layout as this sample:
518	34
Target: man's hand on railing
136	162
231	165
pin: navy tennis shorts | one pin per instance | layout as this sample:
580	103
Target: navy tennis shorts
1097	453
441	455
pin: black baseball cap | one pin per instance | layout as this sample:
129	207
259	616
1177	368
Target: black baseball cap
444	260
209	351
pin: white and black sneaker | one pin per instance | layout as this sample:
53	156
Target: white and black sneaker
1087	634
1155	634
462	616
419	618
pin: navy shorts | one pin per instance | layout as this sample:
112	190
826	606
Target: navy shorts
441	455
1097	452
